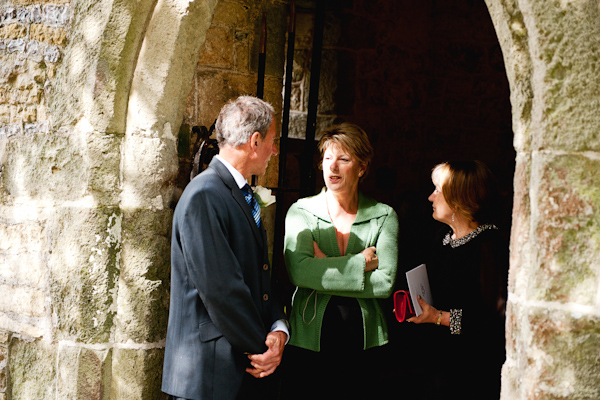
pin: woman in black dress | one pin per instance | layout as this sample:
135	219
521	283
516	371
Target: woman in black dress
467	267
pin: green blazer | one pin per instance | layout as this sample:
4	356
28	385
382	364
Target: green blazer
307	220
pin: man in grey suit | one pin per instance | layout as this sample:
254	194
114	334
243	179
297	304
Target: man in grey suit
226	329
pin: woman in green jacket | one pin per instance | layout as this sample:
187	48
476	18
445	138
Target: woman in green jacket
341	252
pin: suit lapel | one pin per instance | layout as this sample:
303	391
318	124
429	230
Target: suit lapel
238	196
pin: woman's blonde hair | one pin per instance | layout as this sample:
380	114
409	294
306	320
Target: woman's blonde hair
468	188
349	137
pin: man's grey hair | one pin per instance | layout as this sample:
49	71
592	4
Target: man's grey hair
240	118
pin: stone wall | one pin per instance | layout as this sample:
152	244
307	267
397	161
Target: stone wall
553	327
32	40
86	180
92	97
4	339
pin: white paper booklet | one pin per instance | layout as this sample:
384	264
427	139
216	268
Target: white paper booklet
418	284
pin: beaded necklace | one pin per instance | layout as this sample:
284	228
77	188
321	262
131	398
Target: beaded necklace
465	239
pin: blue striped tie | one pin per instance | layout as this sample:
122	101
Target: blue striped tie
249	196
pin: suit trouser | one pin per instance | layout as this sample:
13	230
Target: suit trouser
253	388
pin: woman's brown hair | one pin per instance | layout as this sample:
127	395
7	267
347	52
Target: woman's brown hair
349	137
468	188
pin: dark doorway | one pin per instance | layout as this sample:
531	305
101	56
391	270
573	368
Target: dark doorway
426	80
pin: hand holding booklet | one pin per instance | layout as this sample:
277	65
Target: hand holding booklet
418	284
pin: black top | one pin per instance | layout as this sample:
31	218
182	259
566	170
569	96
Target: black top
471	277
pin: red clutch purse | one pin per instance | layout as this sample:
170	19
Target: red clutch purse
402	305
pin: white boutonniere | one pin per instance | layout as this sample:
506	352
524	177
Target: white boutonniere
263	196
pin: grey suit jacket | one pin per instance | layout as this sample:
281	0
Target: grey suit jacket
221	303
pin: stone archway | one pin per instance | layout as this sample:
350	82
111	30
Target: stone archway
165	65
92	198
553	318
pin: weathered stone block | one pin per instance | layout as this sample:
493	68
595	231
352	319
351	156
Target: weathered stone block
32	369
567	223
148	170
3	370
241	55
144	281
231	14
11	113
217	88
139	372
273	96
55	167
83	373
5	113
20	238
26	95
84	267
218	47
30	326
102	91
13	31
22	301
56	15
557	333
45	167
104	155
520	227
50	35
16	45
29	2
26	114
566	105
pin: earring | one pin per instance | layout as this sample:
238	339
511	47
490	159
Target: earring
453	217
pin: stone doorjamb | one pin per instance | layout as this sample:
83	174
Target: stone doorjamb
551	52
123	83
167	60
